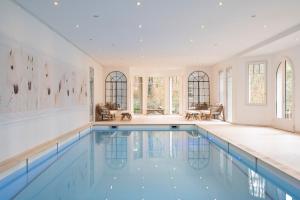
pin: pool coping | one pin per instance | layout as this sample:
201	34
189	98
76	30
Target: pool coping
279	166
15	160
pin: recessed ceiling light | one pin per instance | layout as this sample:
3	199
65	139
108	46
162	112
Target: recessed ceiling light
56	2
191	41
297	39
138	3
141	40
77	26
221	3
140	26
265	26
202	27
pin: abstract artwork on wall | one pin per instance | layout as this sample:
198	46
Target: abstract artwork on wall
30	81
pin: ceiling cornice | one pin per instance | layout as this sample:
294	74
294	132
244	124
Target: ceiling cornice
268	41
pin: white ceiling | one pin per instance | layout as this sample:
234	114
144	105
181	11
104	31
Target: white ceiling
171	31
278	45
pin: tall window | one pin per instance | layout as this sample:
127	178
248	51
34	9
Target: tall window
284	90
91	94
116	90
138	95
174	94
221	87
229	94
198	90
257	83
156	93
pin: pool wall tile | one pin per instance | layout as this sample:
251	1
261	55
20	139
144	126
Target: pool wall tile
242	156
218	141
280	178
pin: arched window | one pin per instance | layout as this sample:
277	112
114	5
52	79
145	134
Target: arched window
284	90
198	151
198	90
116	90
116	150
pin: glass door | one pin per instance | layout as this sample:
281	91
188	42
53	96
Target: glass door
138	95
229	94
174	94
91	94
221	87
156	95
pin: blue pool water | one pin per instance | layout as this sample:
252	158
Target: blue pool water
151	165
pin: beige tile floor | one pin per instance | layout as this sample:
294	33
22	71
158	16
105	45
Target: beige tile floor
278	148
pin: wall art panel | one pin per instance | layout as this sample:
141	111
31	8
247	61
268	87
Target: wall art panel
31	81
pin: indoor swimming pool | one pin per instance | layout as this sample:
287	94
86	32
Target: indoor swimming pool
171	163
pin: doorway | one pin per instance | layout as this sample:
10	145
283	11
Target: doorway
91	76
229	94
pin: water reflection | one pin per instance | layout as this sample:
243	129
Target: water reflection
198	151
116	147
225	164
137	145
92	160
99	138
155	145
256	184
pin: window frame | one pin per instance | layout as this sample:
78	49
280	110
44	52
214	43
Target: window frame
283	106
222	94
248	83
141	85
229	104
199	89
122	89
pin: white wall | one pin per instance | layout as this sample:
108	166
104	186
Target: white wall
99	85
264	115
37	127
